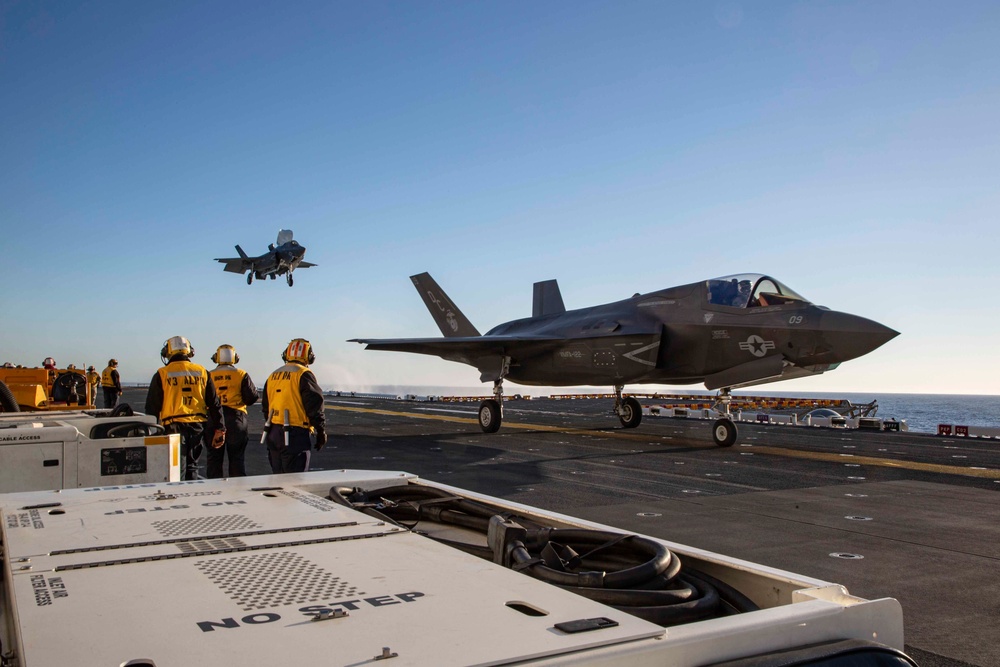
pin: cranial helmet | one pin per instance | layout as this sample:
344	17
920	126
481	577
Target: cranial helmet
91	368
48	362
112	362
299	351
176	345
226	354
71	367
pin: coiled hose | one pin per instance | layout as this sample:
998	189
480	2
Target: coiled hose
631	573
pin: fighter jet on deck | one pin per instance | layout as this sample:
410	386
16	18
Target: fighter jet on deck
729	332
278	260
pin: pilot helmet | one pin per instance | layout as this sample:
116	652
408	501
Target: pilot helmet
226	354
174	346
299	351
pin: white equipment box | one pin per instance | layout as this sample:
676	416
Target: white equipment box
269	571
73	449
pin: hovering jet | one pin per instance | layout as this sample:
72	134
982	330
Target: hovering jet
730	332
280	259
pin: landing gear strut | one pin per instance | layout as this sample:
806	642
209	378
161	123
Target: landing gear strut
628	409
491	410
724	431
288	278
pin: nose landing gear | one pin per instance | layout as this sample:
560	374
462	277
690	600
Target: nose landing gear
724	431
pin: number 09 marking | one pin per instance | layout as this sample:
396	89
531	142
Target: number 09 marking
795	319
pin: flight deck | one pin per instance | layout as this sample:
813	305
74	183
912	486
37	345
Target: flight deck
911	516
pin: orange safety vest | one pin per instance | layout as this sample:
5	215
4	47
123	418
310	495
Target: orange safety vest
184	386
283	394
228	381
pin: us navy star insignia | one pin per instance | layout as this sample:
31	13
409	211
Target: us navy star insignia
757	346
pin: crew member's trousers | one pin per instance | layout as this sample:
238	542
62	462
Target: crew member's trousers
294	457
191	434
110	397
235	447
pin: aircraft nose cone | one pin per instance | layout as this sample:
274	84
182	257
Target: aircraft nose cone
849	336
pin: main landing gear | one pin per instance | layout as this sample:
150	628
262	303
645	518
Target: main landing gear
250	277
288	278
628	409
724	431
491	410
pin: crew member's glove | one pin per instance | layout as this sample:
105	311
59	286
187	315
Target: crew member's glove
219	439
320	440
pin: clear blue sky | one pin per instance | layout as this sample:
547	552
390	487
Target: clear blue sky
850	149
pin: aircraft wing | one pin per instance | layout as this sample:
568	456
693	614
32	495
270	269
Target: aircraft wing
479	351
234	264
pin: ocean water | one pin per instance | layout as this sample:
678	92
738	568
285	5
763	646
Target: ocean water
922	412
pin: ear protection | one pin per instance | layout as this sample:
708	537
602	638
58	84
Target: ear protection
299	350
226	354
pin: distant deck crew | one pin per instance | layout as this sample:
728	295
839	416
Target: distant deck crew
236	391
183	395
293	408
93	382
111	384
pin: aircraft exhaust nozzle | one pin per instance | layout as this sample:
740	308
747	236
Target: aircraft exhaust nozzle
847	336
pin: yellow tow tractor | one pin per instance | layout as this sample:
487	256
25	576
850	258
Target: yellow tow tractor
44	389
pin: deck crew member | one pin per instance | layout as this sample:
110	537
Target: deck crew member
111	383
93	381
293	408
236	391
183	395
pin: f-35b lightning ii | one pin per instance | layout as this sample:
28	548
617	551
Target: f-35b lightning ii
729	332
280	259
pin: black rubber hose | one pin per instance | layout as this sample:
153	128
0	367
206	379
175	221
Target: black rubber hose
738	601
7	401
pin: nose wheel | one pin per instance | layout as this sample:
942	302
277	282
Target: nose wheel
288	278
724	431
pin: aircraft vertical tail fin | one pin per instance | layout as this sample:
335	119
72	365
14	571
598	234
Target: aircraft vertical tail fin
240	250
547	299
446	314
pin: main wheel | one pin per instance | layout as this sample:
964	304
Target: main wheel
250	277
631	412
489	416
289	279
724	432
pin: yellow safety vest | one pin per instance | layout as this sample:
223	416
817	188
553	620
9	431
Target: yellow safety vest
106	379
283	394
228	381
93	378
184	387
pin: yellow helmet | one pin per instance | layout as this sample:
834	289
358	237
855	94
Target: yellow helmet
226	354
299	351
176	345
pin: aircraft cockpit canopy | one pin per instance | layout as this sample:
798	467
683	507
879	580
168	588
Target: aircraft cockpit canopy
750	290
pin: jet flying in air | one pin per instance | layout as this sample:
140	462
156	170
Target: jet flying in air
730	332
281	259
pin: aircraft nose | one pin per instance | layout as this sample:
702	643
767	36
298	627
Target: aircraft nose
850	336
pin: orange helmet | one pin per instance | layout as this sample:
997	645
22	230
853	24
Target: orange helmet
299	351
